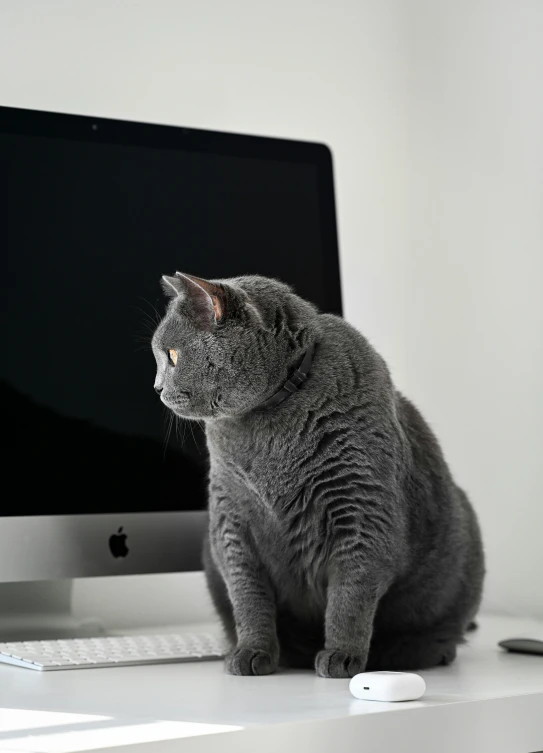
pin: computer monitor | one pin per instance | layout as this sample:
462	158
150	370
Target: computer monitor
93	213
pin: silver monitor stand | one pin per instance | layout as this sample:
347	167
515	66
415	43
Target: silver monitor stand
41	610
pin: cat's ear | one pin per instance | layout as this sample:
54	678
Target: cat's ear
205	299
215	293
172	286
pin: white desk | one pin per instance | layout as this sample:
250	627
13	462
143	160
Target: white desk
488	700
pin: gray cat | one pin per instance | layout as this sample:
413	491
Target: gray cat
337	536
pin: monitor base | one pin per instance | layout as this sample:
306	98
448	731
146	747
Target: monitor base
41	611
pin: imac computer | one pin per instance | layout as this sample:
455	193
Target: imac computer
93	212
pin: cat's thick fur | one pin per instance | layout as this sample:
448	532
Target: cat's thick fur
337	536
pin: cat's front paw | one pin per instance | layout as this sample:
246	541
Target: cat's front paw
249	661
332	662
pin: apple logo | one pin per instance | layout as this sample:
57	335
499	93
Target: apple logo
117	544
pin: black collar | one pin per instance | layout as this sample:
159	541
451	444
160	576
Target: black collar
293	383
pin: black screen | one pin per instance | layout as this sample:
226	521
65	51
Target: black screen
88	226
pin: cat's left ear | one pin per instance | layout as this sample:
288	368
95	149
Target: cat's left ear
215	292
201	295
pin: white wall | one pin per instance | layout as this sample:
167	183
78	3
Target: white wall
474	319
428	106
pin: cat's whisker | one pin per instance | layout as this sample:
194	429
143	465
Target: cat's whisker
147	316
149	330
168	432
177	428
146	333
194	438
148	321
155	312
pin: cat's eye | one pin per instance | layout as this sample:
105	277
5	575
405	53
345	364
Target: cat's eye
172	356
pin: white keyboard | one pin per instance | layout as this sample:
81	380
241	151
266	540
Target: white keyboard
113	651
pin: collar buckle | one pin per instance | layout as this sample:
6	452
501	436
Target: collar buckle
296	379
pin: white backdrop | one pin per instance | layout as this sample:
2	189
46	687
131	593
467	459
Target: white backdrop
434	112
475	282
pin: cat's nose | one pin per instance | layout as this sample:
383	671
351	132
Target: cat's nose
158	389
